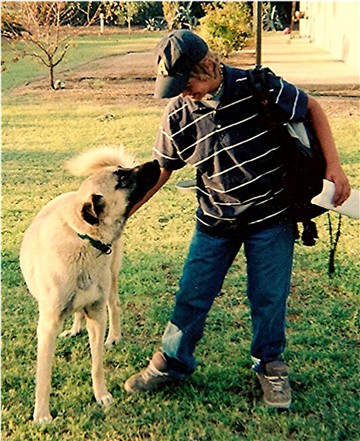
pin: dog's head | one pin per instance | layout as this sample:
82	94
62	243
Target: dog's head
112	192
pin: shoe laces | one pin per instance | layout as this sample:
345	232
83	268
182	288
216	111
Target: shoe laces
151	372
277	382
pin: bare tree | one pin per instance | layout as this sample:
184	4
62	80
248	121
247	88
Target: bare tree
45	29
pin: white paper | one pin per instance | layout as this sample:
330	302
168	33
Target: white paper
351	207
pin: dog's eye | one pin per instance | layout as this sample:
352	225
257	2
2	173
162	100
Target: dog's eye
122	176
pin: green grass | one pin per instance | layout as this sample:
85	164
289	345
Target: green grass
222	401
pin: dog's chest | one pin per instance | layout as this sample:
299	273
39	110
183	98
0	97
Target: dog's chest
91	281
84	280
92	268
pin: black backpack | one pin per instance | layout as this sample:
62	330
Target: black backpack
305	167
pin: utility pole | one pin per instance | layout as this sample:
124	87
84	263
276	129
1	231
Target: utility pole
257	14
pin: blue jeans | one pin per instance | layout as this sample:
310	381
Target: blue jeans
269	255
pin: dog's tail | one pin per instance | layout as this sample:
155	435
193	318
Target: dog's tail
92	161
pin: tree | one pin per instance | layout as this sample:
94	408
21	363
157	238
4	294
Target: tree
123	12
44	28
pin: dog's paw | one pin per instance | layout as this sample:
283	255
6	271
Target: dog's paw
42	419
112	340
105	400
70	333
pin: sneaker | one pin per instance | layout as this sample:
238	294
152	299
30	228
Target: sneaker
150	378
275	385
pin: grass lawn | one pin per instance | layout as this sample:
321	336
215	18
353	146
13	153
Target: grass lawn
222	401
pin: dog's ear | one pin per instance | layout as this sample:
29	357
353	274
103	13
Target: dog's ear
92	209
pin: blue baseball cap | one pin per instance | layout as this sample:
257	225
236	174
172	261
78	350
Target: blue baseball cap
177	54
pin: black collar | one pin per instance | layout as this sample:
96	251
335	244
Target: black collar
105	248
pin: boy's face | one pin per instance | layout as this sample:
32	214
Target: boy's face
196	89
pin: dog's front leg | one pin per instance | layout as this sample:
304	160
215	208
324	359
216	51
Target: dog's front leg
47	331
96	321
114	335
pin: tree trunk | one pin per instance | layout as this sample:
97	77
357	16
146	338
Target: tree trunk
51	72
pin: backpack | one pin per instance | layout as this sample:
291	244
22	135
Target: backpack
304	162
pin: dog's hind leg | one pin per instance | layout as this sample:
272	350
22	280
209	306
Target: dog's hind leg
79	317
96	321
114	334
47	331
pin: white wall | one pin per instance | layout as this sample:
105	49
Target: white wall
334	26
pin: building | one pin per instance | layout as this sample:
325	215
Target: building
333	26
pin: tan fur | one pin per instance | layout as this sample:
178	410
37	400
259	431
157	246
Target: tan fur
67	275
92	161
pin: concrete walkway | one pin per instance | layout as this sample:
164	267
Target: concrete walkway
304	64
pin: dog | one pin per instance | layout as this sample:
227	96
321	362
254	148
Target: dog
70	259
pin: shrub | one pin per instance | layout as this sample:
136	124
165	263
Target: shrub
226	26
179	15
155	24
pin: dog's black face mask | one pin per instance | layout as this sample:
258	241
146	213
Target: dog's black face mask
137	181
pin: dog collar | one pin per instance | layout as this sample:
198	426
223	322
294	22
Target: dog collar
105	248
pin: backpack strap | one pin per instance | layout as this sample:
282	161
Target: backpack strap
333	243
259	83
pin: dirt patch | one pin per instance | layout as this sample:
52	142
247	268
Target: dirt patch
340	106
130	78
122	78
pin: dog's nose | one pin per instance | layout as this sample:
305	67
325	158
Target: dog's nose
156	163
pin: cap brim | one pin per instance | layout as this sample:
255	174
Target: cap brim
170	86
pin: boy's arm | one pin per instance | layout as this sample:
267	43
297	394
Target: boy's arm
334	171
164	177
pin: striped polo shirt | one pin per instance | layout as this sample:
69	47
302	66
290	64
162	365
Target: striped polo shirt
239	166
